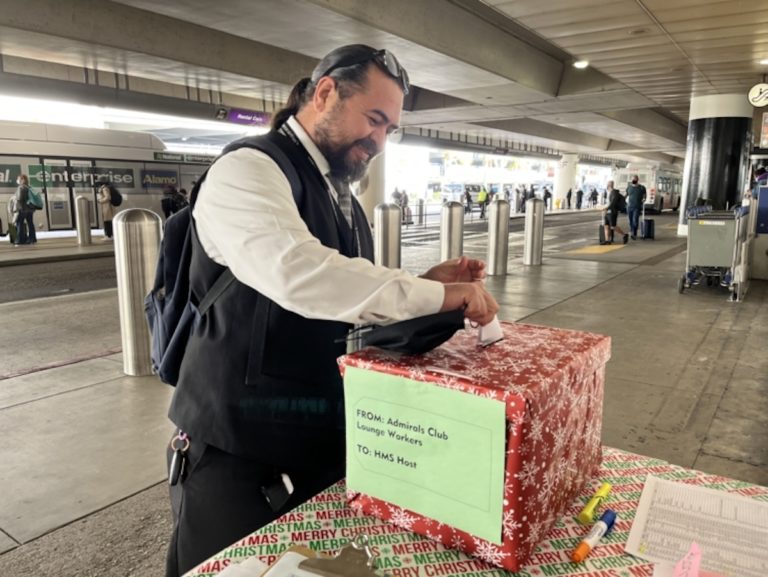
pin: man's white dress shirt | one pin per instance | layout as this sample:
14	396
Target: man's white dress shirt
247	220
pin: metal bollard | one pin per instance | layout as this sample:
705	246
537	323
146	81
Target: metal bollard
83	220
386	242
420	212
498	237
534	231
137	241
451	230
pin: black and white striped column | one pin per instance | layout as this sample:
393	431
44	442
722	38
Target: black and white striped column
717	152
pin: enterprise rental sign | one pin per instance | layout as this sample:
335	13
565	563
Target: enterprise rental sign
78	176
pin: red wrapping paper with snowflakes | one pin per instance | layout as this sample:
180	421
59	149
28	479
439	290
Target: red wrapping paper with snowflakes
551	382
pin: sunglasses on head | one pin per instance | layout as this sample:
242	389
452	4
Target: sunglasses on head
384	58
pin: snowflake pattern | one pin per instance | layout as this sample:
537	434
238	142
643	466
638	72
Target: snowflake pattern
457	542
489	552
527	475
510	525
551	381
401	518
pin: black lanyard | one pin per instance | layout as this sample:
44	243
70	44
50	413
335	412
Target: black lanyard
286	130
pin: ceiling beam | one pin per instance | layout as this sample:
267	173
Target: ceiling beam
422	99
651	122
79	93
102	23
449	29
541	129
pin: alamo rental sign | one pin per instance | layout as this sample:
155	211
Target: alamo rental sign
62	176
159	178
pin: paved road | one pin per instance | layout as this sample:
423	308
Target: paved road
28	281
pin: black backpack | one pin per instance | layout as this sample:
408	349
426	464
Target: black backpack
171	313
621	201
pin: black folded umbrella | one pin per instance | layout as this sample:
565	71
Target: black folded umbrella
414	336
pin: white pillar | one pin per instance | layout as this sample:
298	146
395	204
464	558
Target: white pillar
372	186
565	178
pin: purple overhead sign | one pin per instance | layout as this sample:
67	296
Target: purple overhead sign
251	117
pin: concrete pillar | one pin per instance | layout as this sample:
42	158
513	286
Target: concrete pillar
717	153
372	186
565	178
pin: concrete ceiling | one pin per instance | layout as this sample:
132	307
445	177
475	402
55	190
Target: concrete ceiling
492	70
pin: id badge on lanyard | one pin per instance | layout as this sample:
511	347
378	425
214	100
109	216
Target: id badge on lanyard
340	226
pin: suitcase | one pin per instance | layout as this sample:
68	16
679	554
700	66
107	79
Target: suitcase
601	234
647	227
12	232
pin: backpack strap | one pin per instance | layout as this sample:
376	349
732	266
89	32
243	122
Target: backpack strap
275	153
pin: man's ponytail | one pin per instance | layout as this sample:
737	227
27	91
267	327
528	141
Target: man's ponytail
296	100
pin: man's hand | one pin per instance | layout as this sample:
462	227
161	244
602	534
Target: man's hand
460	269
480	305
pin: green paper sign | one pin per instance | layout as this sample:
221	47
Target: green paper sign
435	451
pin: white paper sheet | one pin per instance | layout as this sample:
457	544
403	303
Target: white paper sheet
731	530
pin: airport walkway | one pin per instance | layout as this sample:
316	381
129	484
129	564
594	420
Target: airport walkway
82	445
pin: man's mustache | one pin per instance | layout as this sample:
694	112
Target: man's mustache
368	145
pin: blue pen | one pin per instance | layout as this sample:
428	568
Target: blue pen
598	531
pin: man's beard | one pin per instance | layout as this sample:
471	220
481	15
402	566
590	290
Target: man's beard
343	167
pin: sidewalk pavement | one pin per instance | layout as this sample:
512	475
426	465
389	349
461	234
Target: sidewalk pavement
54	247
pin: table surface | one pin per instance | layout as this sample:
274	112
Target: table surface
326	523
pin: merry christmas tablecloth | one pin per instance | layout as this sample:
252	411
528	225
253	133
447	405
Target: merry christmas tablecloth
326	523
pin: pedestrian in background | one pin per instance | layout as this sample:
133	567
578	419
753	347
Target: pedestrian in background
611	216
104	198
13	215
482	200
172	201
25	223
405	210
635	201
593	197
579	198
182	199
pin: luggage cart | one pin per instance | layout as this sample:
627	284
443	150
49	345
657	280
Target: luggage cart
716	250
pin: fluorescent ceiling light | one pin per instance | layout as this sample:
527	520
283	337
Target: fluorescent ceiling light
581	64
764	61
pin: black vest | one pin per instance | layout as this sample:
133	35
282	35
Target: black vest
257	380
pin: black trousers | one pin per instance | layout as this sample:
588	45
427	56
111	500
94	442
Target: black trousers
220	501
108	228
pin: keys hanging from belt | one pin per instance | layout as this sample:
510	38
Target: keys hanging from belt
179	446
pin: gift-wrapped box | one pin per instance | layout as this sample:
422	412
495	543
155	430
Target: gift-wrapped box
550	382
